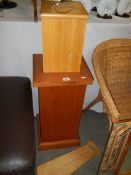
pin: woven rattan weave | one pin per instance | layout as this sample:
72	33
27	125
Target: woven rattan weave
112	65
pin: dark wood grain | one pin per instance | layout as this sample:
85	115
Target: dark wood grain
60	110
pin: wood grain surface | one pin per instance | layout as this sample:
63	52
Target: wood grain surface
40	78
62	36
70	162
60	110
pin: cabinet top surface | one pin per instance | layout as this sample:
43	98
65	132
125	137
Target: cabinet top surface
63	9
41	79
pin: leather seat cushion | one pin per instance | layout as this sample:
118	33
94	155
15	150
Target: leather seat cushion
17	147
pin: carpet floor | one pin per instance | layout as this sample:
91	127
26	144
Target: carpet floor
94	126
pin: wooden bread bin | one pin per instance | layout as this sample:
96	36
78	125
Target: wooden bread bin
63	28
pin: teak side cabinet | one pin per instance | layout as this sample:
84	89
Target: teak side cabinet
60	104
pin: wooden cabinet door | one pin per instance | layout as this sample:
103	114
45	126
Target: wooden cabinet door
60	113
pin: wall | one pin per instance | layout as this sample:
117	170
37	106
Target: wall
19	40
96	32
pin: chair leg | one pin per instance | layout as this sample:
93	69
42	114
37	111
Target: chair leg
35	10
118	131
96	100
123	149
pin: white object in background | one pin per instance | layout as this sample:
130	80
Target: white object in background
66	79
94	3
86	4
124	6
107	7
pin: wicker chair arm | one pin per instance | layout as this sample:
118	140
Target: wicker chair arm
106	95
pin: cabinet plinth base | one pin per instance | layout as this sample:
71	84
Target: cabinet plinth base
59	144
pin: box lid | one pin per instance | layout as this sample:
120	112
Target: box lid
40	78
63	9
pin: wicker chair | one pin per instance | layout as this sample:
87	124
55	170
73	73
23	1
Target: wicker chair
112	66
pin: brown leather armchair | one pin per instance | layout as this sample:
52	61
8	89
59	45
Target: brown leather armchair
17	144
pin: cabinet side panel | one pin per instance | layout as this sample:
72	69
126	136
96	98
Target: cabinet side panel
60	112
62	44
